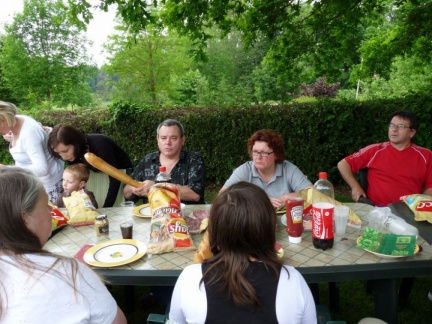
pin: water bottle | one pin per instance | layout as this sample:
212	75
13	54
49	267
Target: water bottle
382	218
322	213
163	176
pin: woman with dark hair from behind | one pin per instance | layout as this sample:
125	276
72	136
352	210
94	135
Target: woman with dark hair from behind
37	286
70	144
245	281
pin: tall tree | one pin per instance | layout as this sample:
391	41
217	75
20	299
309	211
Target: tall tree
144	66
44	55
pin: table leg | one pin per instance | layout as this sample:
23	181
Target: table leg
129	296
386	300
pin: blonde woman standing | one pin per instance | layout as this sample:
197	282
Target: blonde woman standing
29	148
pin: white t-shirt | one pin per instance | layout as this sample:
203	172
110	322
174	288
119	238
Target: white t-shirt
36	298
31	152
294	300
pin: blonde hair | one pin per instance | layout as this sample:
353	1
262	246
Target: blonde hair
8	112
80	171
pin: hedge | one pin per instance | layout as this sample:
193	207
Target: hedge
317	134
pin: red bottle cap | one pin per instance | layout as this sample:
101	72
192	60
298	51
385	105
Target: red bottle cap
162	169
322	175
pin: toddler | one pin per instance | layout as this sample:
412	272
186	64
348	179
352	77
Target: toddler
75	178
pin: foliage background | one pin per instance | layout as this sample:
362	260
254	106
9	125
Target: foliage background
317	134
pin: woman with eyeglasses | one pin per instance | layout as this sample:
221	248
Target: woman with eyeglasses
269	169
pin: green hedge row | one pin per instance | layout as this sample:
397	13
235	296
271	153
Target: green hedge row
317	135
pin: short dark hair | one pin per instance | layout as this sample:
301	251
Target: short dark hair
413	119
169	123
274	141
67	135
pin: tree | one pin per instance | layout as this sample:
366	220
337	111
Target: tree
43	56
144	66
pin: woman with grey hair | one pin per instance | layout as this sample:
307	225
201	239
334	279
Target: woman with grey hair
35	285
29	148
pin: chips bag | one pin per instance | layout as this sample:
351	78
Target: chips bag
306	194
421	205
168	230
80	209
58	218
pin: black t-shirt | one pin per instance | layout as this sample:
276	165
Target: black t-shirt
109	151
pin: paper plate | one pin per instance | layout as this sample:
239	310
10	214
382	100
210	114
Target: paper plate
283	220
416	250
142	211
115	253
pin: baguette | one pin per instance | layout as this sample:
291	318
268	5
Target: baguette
103	166
203	251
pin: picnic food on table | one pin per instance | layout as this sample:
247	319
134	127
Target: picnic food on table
203	252
168	230
306	194
107	168
197	223
80	209
421	205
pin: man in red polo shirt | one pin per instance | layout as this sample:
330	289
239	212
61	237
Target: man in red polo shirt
395	168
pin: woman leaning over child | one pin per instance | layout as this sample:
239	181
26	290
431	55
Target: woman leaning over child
37	286
245	281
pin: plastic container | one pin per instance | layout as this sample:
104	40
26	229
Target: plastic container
294	217
381	218
324	186
322	214
163	176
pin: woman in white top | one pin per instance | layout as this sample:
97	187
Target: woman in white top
29	148
37	286
245	281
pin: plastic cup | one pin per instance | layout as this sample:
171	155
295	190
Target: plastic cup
128	207
126	229
341	213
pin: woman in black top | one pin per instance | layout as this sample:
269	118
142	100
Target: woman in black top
70	144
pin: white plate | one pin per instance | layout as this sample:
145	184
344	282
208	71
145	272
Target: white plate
115	253
283	220
142	211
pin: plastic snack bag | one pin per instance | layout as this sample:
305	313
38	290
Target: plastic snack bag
168	230
80	209
58	218
421	205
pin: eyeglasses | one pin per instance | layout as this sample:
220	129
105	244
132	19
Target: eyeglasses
263	154
399	127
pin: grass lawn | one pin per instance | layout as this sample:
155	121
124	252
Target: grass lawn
355	303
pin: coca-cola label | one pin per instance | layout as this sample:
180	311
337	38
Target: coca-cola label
322	220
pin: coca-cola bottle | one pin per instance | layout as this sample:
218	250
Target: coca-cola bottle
322	213
163	176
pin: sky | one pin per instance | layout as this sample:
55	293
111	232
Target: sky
98	30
